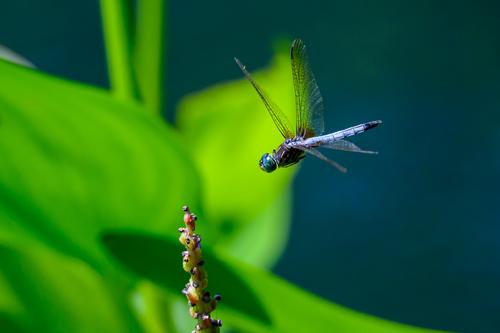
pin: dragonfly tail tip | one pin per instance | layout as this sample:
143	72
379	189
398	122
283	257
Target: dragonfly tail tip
372	124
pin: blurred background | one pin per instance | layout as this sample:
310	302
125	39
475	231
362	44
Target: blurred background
411	235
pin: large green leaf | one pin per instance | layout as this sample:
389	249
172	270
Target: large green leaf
60	294
253	300
75	161
229	129
13	314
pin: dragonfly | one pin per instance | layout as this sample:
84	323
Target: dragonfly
309	119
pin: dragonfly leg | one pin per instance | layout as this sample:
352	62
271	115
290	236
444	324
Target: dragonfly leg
317	154
347	146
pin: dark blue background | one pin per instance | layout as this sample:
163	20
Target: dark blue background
413	234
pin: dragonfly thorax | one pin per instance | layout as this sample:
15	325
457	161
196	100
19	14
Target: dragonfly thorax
286	154
267	163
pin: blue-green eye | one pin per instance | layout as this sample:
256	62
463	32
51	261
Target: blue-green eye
267	163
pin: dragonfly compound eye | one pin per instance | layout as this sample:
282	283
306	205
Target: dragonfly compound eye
267	163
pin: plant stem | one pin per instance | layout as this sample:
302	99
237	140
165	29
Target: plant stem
149	52
117	38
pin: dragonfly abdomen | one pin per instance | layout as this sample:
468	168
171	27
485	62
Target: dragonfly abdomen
339	135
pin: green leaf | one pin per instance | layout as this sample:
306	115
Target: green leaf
229	129
76	161
8	324
60	294
262	241
253	300
13	315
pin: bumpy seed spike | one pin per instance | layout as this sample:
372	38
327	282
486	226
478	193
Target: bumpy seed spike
199	300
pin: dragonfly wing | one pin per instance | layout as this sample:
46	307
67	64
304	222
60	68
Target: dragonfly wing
347	146
279	118
308	100
317	154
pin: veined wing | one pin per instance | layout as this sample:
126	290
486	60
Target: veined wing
347	146
317	154
279	118
308	100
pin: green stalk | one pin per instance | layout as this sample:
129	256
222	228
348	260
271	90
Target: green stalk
118	41
149	52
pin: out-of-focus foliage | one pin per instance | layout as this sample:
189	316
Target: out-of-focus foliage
149	52
58	294
135	48
75	161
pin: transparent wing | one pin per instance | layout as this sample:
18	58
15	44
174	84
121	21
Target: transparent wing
317	154
308	100
279	118
347	146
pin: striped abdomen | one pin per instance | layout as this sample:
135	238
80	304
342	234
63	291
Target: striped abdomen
339	135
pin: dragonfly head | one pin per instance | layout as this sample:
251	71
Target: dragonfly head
268	163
